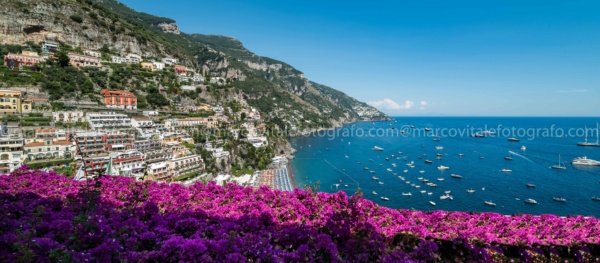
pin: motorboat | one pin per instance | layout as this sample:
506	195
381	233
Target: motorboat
366	168
432	203
374	178
478	135
559	199
460	155
512	139
422	171
560	165
447	192
429	193
425	181
531	201
487	132
456	176
523	148
406	194
441	167
506	170
417	186
374	193
595	198
508	158
372	172
441	179
385	198
470	191
432	185
427	129
423	191
377	148
428	161
438	158
490	203
444	197
420	178
530	185
585	161
380	182
436	139
389	169
439	147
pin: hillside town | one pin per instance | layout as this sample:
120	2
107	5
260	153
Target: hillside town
117	138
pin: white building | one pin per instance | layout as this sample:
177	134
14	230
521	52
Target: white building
133	58
108	121
169	61
118	60
159	171
92	53
142	122
48	149
186	165
159	65
198	78
68	116
128	163
11	155
188	88
150	113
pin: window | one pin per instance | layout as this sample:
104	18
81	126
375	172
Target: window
28	150
57	148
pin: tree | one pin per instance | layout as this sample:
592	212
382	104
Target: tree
63	59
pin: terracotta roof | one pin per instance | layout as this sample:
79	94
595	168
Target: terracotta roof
36	99
34	144
106	92
62	143
42	130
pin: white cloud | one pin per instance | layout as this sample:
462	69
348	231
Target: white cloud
571	91
423	105
389	104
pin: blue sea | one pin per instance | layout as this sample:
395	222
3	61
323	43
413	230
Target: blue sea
337	160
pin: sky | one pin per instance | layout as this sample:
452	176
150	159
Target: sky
413	57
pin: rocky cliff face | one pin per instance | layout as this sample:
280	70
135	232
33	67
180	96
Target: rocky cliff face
169	28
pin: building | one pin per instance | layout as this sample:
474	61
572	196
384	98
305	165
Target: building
142	122
179	69
159	65
188	88
11	153
150	113
10	102
122	99
185	165
159	171
49	48
94	165
118	141
108	121
49	149
173	124
90	143
77	60
169	61
34	103
129	163
133	58
68	116
26	58
92	53
148	145
118	60
148	66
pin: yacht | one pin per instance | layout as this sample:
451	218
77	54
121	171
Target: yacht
366	168
376	148
422	171
427	129
439	147
440	179
585	161
506	170
559	166
432	203
429	193
590	144
428	161
530	185
441	167
490	203
508	158
406	194
595	198
470	191
385	198
380	182
423	191
512	139
444	197
389	169
559	199
447	192
455	176
374	193
460	155
531	201
374	178
478	135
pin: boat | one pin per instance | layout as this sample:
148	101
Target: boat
559	166
513	139
428	161
432	185
427	129
408	182
417	186
585	161
444	197
447	192
346	185
531	201
422	171
439	147
490	203
372	172
455	176
385	198
389	169
590	144
374	178
412	127
359	162
423	191
436	139
530	185
478	135
366	168
430	193
470	191
506	170
438	158
326	149
595	198
440	179
420	178
394	165
559	199
374	193
432	203
508	158
487	132
441	167
380	182
387	159
425	181
406	194
460	155
481	157
523	148
376	148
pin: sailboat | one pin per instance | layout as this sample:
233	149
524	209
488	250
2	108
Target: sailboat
590	144
559	165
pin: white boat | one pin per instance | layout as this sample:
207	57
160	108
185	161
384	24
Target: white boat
456	176
559	166
439	147
447	192
394	165
590	144
460	155
559	199
412	185
432	203
585	161
512	139
490	203
385	198
470	191
523	148
506	170
389	169
405	171
422	171
444	197
374	178
406	194
441	167
430	193
420	178
423	191
432	185
380	182
531	201
374	193
440	179
417	186
377	148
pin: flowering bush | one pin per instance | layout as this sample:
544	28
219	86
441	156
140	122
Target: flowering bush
46	217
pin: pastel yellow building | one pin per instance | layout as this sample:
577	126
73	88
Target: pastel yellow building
148	66
10	102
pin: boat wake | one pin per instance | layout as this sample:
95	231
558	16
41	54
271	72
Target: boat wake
516	154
